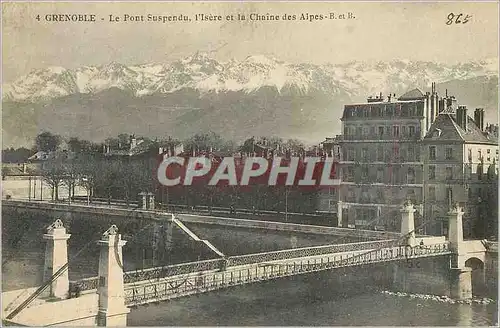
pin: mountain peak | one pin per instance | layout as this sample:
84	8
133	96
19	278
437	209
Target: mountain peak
203	73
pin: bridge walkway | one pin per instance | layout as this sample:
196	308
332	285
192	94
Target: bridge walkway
155	290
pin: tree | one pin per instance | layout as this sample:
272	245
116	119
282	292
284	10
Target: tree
53	173
77	145
206	142
19	155
47	141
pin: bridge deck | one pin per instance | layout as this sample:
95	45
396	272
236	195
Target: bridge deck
148	291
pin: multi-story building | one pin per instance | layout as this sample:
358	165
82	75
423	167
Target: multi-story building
413	147
329	197
460	160
380	163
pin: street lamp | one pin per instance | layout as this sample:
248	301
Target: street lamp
29	187
286	204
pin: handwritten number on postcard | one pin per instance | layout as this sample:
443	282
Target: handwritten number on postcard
457	19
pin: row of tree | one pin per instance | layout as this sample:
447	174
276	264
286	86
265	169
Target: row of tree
49	142
124	178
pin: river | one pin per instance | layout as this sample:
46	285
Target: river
308	300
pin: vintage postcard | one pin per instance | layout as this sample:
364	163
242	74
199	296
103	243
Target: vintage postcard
250	163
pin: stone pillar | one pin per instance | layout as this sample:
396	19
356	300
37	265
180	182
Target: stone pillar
112	309
408	223
143	201
151	201
339	214
461	276
461	283
56	256
455	229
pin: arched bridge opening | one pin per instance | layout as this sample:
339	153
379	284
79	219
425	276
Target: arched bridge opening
478	276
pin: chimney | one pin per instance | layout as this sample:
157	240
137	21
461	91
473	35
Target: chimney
464	119
479	118
461	117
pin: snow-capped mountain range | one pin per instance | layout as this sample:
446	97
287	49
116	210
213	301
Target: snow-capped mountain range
205	74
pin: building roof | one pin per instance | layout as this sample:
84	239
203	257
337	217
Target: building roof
412	94
142	146
445	128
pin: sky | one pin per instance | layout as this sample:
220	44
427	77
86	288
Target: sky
379	31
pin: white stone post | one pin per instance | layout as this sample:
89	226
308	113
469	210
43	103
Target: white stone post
408	223
112	309
339	214
455	229
151	201
142	201
56	256
461	276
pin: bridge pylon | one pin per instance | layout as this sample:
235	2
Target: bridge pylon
56	256
408	223
461	276
112	309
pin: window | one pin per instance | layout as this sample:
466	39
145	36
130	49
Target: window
350	173
488	151
381	131
449	197
432	193
351	154
364	154
449	153
395	131
380	174
432	152
410	176
380	154
411	153
432	172
449	173
403	130
470	155
395	152
395	174
412	131
359	131
364	173
372	130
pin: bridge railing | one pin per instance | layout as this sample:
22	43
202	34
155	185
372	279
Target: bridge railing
171	270
84	284
214	264
307	251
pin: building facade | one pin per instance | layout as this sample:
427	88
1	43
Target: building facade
380	164
420	147
461	165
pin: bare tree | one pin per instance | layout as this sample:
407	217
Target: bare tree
53	173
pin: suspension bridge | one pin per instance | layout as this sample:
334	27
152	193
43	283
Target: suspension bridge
105	300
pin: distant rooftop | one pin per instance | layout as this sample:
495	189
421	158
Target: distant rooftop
412	95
